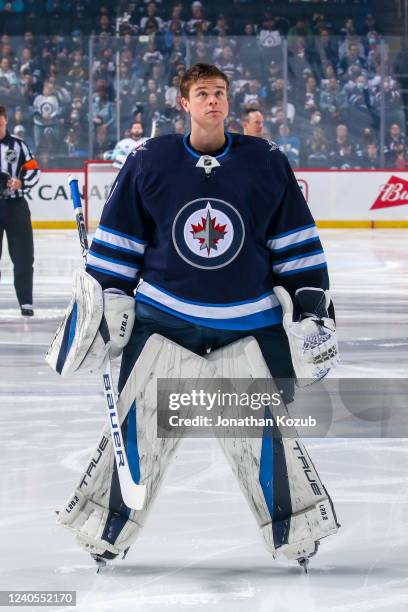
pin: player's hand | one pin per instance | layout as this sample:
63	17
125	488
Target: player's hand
14	183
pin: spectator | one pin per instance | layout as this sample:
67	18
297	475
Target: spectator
326	50
74	145
290	145
228	64
249	51
316	151
352	57
172	93
398	158
254	96
103	118
197	21
360	112
302	31
151	20
105	28
152	55
311	96
221	27
20	132
371	159
270	40
394	113
7	73
333	102
393	141
370	25
299	63
176	23
46	113
342	155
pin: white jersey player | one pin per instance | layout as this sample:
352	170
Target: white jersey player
125	146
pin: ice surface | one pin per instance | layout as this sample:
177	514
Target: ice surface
200	549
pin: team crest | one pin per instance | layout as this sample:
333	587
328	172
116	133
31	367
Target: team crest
11	156
208	233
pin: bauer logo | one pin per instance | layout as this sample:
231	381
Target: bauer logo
208	233
393	193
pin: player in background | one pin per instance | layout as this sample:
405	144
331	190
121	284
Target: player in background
126	145
200	228
252	121
19	172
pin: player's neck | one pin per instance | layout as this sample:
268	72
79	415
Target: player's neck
207	142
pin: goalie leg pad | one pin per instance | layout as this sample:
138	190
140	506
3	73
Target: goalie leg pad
276	475
95	512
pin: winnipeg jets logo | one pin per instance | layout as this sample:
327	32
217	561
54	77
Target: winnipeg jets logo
208	233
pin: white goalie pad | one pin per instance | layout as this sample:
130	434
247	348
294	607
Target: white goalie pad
86	511
312	341
290	504
96	322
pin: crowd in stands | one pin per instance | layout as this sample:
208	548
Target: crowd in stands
335	83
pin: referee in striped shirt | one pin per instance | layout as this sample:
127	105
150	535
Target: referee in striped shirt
18	173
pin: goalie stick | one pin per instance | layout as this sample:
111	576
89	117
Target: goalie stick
133	494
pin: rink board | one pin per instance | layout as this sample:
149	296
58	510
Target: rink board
352	198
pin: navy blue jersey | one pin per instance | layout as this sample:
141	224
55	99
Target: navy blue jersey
209	239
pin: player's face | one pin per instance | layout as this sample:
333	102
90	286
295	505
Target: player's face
136	131
207	102
254	125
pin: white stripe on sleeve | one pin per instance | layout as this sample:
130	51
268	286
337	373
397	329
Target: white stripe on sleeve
293	239
299	264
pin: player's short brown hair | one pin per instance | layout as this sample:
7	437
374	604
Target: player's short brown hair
247	111
3	111
200	71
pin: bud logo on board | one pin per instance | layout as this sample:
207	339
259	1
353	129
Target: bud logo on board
393	193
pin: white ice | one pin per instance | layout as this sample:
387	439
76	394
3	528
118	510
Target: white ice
200	549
